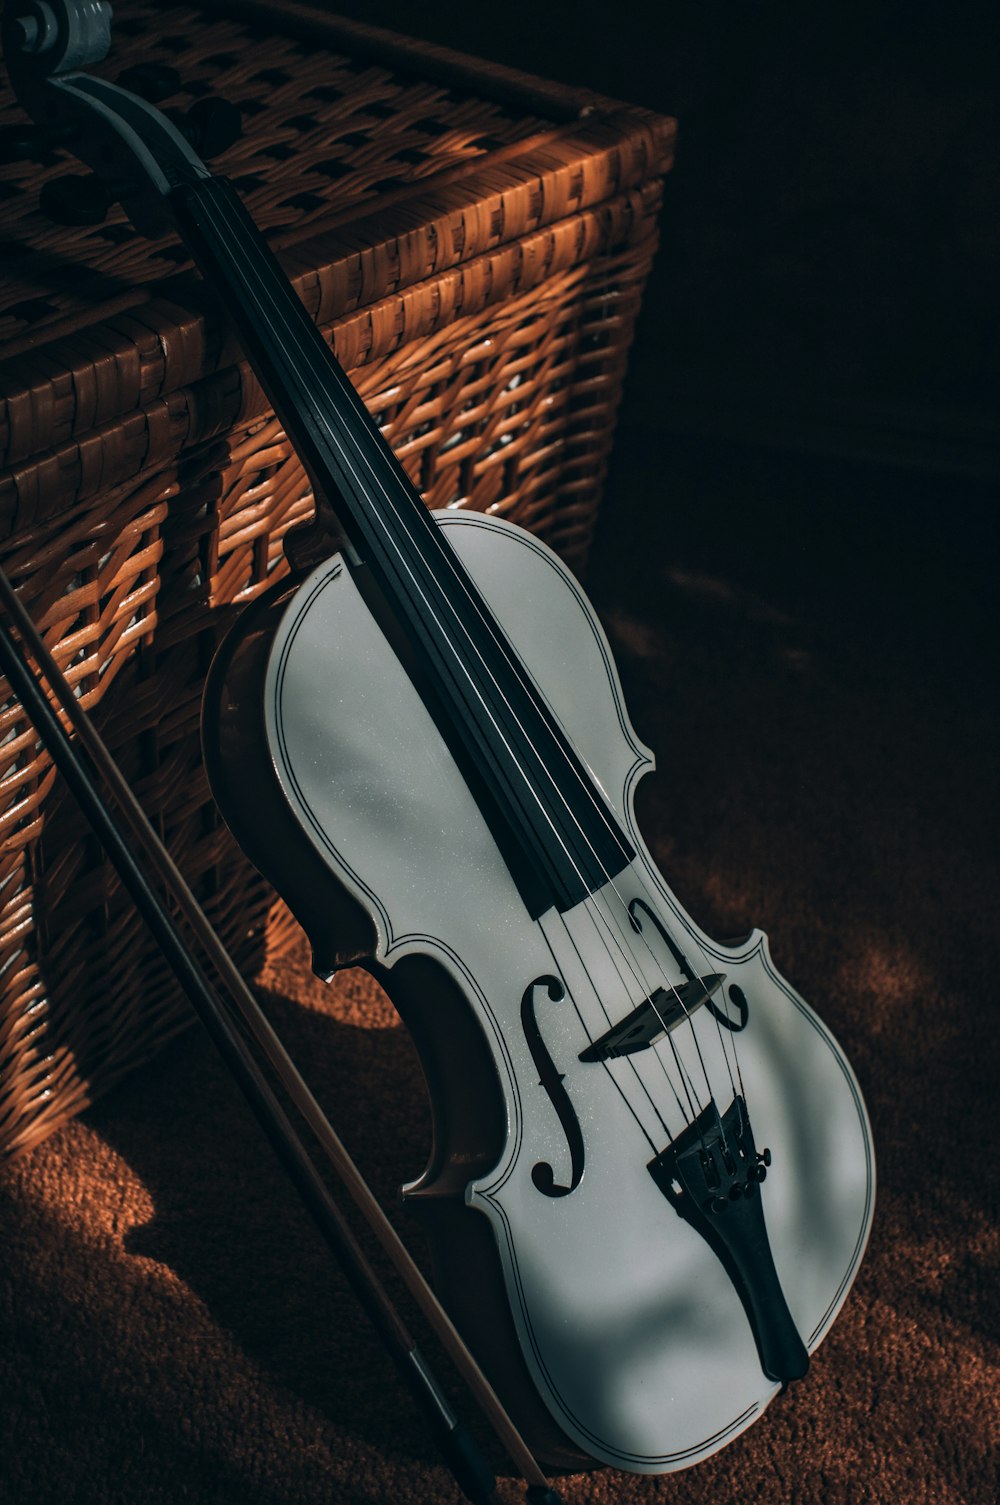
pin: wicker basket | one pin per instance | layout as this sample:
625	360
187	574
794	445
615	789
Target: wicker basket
475	240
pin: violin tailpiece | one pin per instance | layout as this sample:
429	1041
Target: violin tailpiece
711	1175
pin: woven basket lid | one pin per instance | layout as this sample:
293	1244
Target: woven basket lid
395	180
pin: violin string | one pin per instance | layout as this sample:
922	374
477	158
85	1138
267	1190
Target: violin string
615	932
644	888
707	999
586	970
499	645
346	460
678	995
610	1074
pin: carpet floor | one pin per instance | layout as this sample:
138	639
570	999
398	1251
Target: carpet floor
820	691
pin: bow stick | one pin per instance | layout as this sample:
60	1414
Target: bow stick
457	1447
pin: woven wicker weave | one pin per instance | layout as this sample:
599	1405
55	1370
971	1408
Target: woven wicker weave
475	242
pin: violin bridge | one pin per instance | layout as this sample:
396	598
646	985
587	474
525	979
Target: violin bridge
654	1018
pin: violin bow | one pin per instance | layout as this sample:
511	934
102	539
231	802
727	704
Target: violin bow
460	1452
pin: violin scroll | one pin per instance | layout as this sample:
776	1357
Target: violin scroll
44	37
138	156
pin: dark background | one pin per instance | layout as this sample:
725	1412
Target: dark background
812	400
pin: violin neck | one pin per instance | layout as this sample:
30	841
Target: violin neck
570	841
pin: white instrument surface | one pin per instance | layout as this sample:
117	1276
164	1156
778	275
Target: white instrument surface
634	1334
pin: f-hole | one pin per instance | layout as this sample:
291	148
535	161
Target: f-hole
542	1173
736	994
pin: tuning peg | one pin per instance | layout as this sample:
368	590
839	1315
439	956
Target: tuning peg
151	81
211	125
26	142
79	200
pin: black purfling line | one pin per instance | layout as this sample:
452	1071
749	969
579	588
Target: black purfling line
458	1449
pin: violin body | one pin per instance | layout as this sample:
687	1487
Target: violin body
578	1285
